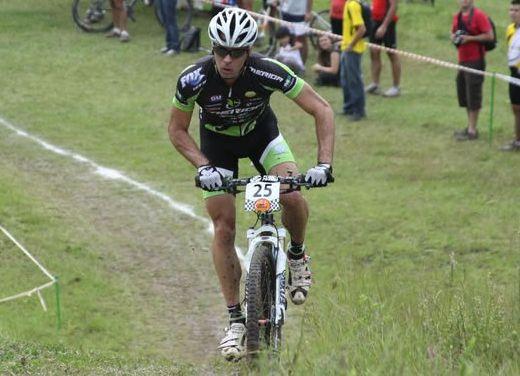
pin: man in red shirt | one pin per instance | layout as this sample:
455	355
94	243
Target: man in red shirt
469	29
383	32
336	16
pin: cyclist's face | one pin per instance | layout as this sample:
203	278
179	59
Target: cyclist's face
230	67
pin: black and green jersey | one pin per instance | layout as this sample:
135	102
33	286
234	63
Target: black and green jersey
233	111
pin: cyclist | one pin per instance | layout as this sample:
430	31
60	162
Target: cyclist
232	88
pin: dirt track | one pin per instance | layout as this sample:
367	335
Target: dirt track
164	253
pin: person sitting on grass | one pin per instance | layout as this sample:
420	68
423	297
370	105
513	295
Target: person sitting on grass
327	67
289	51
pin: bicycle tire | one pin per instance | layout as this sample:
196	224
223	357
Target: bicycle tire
184	16
260	300
95	16
92	15
320	21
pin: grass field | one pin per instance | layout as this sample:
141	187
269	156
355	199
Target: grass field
415	247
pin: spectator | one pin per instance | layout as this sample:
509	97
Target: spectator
513	39
352	47
336	16
168	10
383	32
299	12
119	18
327	66
218	5
470	27
289	51
246	4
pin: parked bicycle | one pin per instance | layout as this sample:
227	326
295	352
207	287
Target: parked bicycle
320	21
96	15
266	260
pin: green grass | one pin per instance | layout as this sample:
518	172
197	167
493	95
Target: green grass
415	247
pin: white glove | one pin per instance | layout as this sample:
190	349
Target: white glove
319	175
210	178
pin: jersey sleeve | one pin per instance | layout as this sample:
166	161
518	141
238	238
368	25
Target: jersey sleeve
483	24
353	10
510	31
189	85
275	76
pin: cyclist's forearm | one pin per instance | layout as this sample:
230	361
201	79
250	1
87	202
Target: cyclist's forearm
310	101
181	139
188	148
325	136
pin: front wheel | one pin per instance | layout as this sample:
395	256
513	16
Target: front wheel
261	300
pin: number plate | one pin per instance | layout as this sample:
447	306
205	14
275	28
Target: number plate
262	196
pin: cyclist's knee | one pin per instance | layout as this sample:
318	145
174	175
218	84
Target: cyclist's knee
292	199
225	230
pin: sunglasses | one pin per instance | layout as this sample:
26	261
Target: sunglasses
233	52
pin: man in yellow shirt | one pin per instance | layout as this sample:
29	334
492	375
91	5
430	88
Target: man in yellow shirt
352	48
513	57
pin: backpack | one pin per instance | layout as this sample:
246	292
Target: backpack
488	45
491	44
366	14
190	40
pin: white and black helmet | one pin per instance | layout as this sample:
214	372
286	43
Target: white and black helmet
234	28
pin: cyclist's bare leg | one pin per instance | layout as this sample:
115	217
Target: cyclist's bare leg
295	210
222	212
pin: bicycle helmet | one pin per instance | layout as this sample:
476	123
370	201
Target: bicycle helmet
234	28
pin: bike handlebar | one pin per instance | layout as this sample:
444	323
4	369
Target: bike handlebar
231	185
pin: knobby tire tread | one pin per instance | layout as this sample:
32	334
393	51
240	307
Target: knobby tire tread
261	268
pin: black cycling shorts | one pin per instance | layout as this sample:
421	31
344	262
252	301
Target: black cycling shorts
264	146
514	90
389	39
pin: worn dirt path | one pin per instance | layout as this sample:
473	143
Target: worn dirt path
165	254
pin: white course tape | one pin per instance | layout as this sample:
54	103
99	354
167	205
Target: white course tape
426	59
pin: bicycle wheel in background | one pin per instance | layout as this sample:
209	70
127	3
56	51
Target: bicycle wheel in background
260	300
267	44
96	15
92	15
320	21
184	15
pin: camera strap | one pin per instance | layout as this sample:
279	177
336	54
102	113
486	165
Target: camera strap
461	25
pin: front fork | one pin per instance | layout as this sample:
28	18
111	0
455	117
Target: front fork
276	238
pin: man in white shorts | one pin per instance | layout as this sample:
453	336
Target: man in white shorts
298	12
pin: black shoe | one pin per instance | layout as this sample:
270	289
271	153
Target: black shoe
356	117
512	146
465	135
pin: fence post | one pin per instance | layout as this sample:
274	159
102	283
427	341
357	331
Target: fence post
491	109
58	304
